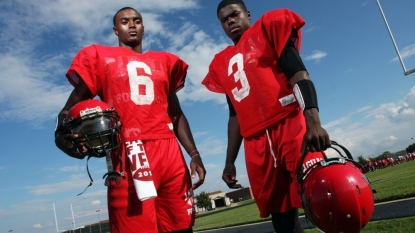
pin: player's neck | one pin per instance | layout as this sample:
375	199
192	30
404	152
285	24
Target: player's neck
138	48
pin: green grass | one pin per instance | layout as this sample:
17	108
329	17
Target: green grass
245	212
394	183
399	225
391	183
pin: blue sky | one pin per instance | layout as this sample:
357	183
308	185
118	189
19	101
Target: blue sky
366	103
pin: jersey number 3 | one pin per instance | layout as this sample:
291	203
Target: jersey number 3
140	80
239	75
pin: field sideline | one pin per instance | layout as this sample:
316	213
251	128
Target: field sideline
391	183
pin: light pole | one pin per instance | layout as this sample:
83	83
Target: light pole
99	222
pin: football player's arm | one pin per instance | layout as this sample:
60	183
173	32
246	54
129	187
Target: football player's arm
65	141
184	135
234	143
316	137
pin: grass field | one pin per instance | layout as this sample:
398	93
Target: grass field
399	225
391	183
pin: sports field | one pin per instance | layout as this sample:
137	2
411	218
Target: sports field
391	183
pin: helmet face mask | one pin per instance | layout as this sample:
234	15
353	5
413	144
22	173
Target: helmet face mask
97	125
336	195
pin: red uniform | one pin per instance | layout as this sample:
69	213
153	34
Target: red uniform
137	86
259	91
266	107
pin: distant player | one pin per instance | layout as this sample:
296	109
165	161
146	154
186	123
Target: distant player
273	107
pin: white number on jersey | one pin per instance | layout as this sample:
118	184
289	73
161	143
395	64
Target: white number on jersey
239	75
136	80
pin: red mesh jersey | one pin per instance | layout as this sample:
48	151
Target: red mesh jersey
136	85
249	73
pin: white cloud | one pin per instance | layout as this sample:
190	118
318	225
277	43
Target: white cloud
198	51
335	123
74	183
96	202
406	52
40	212
48	224
26	94
74	168
38	89
34	88
308	29
316	56
211	166
387	127
212	146
365	108
199	134
86	20
365	3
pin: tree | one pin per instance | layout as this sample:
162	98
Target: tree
410	148
384	155
203	200
400	153
361	160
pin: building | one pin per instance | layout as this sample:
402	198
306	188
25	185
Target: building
240	195
219	199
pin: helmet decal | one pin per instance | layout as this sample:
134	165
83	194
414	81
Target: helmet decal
96	123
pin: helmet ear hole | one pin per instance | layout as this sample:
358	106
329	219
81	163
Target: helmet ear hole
329	194
358	190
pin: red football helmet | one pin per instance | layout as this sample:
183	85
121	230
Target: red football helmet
96	123
336	195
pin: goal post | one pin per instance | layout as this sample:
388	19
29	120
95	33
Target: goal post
406	72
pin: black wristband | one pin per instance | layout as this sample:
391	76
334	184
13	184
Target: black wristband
306	95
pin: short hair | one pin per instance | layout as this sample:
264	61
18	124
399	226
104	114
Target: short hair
224	3
124	8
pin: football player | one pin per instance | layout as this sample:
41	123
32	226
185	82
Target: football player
142	89
272	103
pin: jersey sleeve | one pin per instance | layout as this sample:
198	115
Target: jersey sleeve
212	80
278	26
84	66
177	72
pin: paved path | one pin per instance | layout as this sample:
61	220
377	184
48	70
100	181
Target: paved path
386	210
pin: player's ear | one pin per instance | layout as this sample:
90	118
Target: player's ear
115	30
249	14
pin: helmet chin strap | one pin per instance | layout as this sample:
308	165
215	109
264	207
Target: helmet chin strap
111	174
89	174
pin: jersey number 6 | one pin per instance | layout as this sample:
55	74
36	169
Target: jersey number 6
140	80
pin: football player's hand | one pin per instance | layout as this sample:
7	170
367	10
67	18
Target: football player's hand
196	165
229	176
316	137
65	142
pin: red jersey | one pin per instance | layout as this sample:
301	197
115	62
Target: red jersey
136	85
249	74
